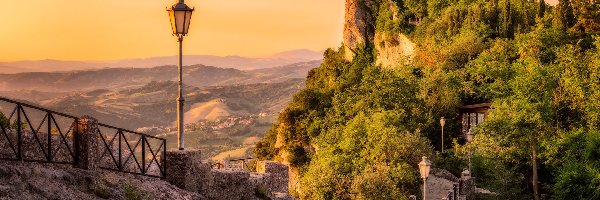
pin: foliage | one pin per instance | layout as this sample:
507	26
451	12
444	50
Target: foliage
131	192
450	161
578	160
102	192
358	130
3	120
261	192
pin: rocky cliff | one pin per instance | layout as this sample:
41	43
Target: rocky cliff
359	27
393	48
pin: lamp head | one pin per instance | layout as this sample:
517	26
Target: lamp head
180	15
424	167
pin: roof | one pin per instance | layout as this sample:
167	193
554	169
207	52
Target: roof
475	106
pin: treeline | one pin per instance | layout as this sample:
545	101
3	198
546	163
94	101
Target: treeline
358	130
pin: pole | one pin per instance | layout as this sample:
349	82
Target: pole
425	189
442	138
180	99
470	159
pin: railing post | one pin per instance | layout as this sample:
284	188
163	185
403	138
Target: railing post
120	149
164	159
87	140
19	134
143	154
49	121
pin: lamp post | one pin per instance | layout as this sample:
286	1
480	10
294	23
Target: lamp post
180	15
470	136
424	168
442	123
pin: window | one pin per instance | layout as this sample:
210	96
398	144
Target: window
470	120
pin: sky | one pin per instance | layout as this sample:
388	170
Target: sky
96	30
121	29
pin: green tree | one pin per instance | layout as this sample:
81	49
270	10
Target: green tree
506	28
3	120
541	8
564	17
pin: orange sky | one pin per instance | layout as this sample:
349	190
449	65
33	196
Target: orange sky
118	29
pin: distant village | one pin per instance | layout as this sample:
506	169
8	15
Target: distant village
205	125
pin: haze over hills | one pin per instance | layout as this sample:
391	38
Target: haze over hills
121	78
237	62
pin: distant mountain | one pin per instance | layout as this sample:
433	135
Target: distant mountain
46	66
302	54
237	62
296	70
123	78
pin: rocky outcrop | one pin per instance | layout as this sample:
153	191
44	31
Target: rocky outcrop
359	27
393	49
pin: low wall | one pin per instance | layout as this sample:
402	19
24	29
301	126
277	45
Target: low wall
186	171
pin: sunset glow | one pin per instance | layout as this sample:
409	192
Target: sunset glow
117	29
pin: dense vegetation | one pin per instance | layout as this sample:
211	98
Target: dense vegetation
358	130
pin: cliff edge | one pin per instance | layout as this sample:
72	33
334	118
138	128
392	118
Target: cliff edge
393	48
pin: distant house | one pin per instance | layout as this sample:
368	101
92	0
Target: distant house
472	115
414	21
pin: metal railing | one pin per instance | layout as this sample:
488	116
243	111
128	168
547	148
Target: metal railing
240	163
132	152
243	163
34	134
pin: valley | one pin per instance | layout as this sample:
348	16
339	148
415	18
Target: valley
226	109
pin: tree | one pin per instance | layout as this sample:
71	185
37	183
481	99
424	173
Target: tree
3	120
506	20
564	18
541	8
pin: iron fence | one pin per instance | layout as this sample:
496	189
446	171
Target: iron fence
34	134
131	152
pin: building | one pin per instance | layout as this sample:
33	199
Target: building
472	115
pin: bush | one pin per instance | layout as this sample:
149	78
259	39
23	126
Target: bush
450	161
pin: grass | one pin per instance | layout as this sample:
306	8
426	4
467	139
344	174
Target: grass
101	192
133	193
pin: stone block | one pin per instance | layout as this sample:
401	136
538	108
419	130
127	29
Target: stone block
184	169
226	184
86	145
276	177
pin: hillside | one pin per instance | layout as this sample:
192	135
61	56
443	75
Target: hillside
153	104
372	109
143	99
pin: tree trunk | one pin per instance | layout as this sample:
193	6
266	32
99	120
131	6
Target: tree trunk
536	190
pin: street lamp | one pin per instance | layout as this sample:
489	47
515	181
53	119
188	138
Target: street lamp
424	168
442	122
470	136
180	15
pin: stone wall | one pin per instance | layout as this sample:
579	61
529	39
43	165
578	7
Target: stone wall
441	184
186	171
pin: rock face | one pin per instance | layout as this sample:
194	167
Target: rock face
359	26
393	49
